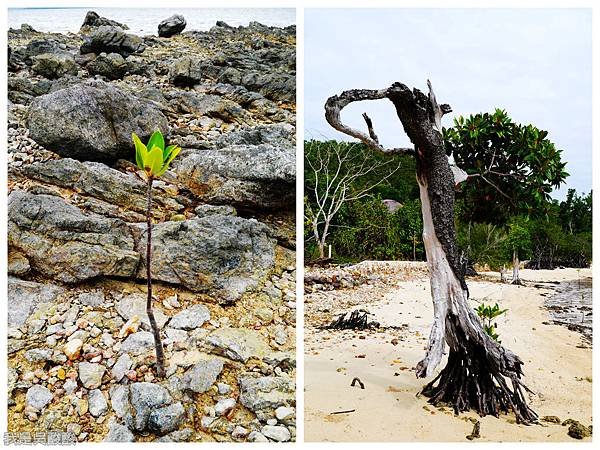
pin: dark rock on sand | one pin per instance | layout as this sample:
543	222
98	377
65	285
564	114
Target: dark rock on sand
171	26
94	20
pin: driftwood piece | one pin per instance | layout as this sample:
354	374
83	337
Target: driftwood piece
356	320
357	380
347	411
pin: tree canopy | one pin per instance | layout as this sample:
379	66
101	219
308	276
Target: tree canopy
512	168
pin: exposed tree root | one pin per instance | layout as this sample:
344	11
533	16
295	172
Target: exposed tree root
488	382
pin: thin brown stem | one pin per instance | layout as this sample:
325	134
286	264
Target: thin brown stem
160	355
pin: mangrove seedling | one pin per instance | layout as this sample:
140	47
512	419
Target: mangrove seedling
487	314
154	159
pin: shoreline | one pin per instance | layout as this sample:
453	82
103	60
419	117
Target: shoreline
151	17
557	365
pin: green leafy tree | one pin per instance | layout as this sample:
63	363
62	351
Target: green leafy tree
518	241
575	212
154	159
368	230
483	243
511	169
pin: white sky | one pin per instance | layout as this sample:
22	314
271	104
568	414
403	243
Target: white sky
534	63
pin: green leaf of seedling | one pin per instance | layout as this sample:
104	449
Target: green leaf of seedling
172	154
167	151
154	162
157	140
141	152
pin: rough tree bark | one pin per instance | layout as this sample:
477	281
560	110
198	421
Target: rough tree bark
480	373
160	355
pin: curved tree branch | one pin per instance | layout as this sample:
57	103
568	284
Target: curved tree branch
334	106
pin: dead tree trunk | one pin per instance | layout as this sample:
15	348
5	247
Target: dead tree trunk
515	276
480	373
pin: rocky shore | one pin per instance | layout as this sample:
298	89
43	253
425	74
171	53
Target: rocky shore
80	351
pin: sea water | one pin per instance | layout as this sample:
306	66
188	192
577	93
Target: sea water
145	21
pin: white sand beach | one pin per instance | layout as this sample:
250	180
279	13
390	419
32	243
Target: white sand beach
557	363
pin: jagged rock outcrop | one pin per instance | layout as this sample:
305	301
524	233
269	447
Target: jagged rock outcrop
226	255
111	39
92	121
254	176
62	243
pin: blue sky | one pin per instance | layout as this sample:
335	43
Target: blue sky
535	63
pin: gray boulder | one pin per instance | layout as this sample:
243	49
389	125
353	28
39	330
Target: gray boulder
145	398
111	39
37	47
90	374
255	176
18	264
93	298
166	419
202	375
119	400
54	65
266	393
63	243
22	90
215	210
38	354
97	403
214	106
24	296
277	86
277	134
138	343
182	435
92	121
239	344
135	305
276	433
94	20
190	318
123	364
38	396
112	66
185	72
119	433
171	26
223	254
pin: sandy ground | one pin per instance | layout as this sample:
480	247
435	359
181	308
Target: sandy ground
558	365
